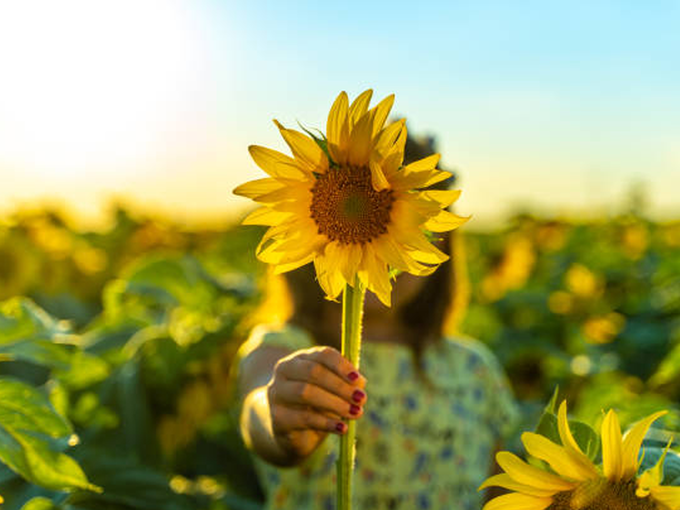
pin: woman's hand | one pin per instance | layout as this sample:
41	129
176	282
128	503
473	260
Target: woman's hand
309	393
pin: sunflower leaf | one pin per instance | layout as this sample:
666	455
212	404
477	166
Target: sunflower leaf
547	427
586	438
551	407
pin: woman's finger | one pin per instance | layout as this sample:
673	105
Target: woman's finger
306	370
286	419
298	393
335	362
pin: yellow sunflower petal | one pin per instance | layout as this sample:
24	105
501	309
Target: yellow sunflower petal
387	250
292	259
653	476
391	164
424	251
445	221
668	496
336	118
374	273
257	188
299	208
359	106
632	442
382	110
291	266
405	180
405	217
560	459
444	197
360	141
507	482
265	216
400	143
428	163
276	164
269	248
516	501
331	282
378	178
418	269
612	447
351	261
527	474
337	129
387	137
344	258
421	203
306	151
267	252
301	194
563	428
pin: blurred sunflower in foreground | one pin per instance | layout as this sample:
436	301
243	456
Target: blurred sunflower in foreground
577	484
346	202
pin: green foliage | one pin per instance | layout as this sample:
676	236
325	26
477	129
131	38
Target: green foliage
26	417
125	340
127	394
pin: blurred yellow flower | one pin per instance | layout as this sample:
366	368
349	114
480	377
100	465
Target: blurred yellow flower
513	270
574	482
635	240
90	260
671	235
54	240
354	211
603	329
583	282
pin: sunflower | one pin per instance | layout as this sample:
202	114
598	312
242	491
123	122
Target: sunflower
346	202
575	483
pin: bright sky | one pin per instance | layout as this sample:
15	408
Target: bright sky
555	105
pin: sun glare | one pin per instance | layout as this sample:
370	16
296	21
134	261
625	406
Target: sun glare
96	86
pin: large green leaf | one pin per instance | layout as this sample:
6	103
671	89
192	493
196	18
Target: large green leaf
23	407
48	468
27	421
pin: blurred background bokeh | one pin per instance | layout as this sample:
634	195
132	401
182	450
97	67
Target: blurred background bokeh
126	284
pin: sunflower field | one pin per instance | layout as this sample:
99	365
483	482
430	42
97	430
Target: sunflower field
116	346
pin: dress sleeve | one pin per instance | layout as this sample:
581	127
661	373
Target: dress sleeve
287	337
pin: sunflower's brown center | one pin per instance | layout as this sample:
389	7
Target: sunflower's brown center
602	495
346	208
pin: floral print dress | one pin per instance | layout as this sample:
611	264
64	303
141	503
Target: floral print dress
420	444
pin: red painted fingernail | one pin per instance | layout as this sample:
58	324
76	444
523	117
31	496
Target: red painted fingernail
340	427
353	376
358	395
354	410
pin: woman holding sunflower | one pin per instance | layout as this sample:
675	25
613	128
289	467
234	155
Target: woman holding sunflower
430	410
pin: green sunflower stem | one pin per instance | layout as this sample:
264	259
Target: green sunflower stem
352	314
